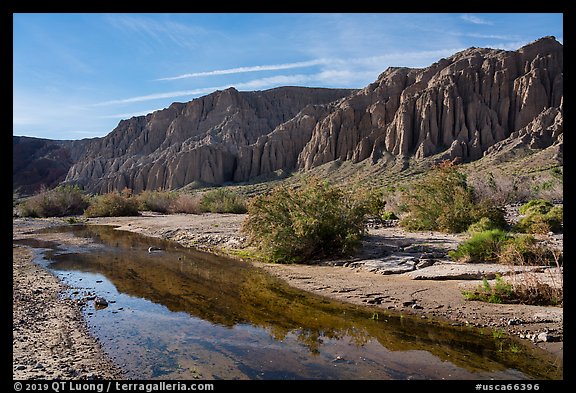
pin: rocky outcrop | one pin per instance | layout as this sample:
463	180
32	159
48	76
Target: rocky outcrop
201	140
279	150
544	131
461	105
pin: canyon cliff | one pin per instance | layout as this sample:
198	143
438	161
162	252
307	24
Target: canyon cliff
461	107
198	141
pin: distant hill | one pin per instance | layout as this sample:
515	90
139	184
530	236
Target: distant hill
40	162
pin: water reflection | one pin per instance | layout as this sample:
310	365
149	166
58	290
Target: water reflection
185	313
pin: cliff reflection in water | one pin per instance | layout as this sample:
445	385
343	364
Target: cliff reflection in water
228	292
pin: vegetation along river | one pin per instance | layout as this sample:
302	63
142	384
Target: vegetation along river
176	313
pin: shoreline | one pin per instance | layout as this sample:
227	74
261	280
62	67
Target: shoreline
50	338
428	297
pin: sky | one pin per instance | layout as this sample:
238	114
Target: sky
76	76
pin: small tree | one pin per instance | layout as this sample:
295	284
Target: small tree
314	221
443	201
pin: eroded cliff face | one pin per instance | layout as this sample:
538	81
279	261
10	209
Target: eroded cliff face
201	140
461	107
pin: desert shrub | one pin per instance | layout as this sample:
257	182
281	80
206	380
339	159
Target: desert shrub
442	200
536	206
156	201
525	250
484	224
481	246
314	221
186	203
387	215
537	293
499	188
222	201
375	202
500	292
61	201
496	245
113	204
540	217
531	291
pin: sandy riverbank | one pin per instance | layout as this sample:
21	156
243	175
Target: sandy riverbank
432	292
49	337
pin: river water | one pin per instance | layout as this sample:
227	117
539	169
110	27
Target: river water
177	313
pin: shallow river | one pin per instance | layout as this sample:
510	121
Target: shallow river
182	314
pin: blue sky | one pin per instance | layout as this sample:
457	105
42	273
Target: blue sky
77	75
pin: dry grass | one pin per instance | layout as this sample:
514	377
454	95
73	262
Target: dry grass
186	203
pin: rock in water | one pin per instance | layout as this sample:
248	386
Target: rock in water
100	302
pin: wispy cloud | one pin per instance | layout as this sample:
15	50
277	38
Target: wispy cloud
157	96
335	72
253	84
475	19
238	70
162	32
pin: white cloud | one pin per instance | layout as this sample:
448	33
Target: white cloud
475	19
157	96
238	70
336	73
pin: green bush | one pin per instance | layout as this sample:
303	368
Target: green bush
156	201
222	201
113	204
532	292
314	221
443	201
540	217
388	216
484	224
496	245
536	206
481	246
500	292
61	201
374	201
